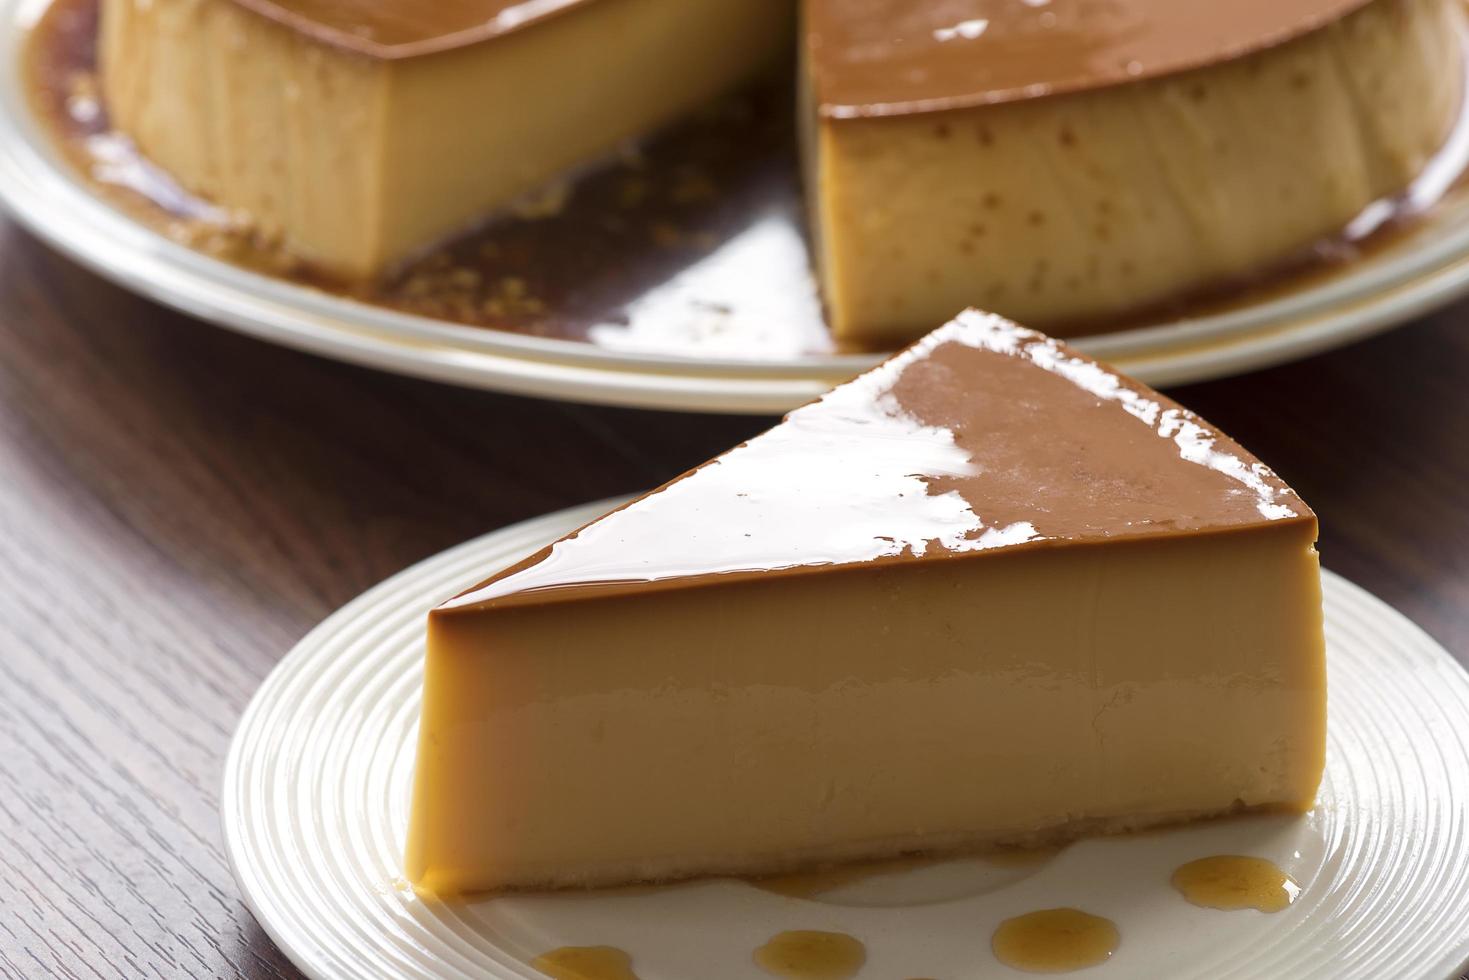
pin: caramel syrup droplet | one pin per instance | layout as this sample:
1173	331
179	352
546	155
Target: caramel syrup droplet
586	963
807	954
1055	941
1229	881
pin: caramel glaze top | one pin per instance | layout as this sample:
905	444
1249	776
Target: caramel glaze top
392	29
981	438
895	57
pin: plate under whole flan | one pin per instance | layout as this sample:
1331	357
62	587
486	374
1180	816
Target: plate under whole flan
737	330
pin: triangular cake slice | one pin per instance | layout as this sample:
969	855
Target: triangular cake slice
989	592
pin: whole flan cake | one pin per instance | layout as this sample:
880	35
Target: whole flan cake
1056	160
989	592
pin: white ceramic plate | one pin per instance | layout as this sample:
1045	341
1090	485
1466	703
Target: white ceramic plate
1392	284
317	784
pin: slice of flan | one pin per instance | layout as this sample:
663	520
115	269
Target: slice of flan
1071	162
989	592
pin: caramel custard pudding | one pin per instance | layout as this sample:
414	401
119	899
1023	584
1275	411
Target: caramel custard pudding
988	593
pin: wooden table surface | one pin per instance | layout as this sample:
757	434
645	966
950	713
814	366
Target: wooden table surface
178	505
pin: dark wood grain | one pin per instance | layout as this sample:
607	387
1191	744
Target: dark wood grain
179	505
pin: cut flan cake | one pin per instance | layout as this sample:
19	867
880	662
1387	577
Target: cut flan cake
1070	163
989	592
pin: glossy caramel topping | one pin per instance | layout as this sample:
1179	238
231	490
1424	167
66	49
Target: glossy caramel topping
889	57
402	28
1055	941
806	954
983	436
1231	881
